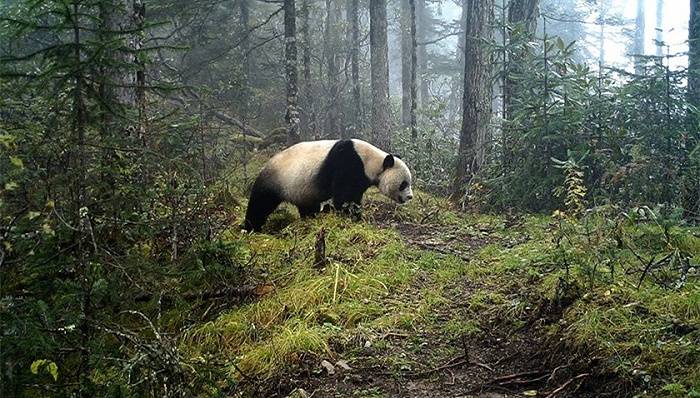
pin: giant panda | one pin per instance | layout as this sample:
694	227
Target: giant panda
309	173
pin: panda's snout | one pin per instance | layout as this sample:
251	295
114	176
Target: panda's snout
409	197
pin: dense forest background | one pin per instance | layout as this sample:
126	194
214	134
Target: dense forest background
130	131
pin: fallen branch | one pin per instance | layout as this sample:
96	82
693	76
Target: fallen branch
554	372
506	379
563	386
524	381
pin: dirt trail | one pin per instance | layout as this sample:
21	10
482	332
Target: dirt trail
433	361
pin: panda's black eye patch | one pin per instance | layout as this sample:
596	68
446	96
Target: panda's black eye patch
403	185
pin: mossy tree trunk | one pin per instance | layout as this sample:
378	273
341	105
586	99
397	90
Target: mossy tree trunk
290	63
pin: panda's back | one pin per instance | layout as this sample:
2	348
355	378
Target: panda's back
294	171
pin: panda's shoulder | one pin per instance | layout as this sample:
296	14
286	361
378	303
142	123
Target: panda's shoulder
367	151
342	146
343	152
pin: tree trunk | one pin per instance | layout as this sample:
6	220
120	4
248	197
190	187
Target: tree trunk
639	34
413	120
476	98
309	132
694	54
79	163
244	20
356	105
406	66
524	13
139	16
118	18
455	99
424	19
659	28
290	58
602	20
330	45
694	84
381	132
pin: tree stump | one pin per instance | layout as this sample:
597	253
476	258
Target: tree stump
320	259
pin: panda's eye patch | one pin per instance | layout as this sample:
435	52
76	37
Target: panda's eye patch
403	185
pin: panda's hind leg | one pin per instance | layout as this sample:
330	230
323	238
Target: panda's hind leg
263	201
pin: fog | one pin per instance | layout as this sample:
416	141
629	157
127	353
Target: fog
619	30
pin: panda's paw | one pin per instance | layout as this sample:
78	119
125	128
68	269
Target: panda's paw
353	210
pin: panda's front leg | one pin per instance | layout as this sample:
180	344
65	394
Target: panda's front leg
309	210
348	200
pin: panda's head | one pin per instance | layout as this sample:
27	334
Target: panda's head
395	180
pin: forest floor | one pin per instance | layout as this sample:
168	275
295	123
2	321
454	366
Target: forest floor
424	300
417	301
459	347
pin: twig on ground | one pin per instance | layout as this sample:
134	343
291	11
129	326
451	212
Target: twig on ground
504	379
558	368
453	378
483	365
563	386
524	381
514	379
452	363
394	334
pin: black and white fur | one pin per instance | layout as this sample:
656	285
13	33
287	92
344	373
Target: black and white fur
309	173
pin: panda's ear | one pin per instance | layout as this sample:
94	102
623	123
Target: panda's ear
398	156
388	161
